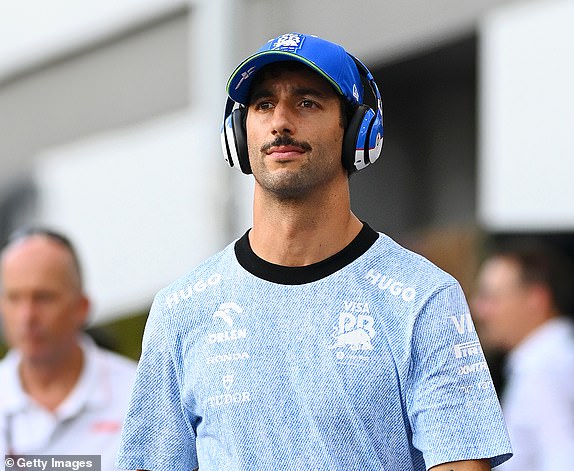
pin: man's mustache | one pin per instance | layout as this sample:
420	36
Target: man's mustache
286	141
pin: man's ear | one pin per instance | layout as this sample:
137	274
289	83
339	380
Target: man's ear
83	310
540	300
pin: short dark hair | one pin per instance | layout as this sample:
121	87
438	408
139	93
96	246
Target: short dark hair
55	236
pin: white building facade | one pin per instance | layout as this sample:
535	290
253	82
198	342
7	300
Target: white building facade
110	114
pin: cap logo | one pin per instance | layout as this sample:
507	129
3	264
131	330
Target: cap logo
288	42
355	92
244	76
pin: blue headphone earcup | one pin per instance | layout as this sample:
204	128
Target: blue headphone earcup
350	138
363	140
369	141
356	143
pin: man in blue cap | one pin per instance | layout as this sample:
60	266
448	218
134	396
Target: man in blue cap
312	342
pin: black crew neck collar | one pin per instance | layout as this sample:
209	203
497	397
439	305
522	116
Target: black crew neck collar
300	275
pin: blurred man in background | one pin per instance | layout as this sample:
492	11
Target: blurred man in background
61	394
523	295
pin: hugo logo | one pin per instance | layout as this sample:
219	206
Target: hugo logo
394	287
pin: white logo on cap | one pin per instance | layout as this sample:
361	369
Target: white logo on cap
244	76
355	92
289	42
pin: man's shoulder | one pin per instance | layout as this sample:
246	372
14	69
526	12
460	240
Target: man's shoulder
118	362
118	370
7	366
216	263
12	395
198	281
9	363
393	255
548	352
105	359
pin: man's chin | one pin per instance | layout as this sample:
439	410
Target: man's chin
33	352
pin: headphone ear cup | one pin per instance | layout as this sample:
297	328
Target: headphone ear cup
354	139
234	141
238	118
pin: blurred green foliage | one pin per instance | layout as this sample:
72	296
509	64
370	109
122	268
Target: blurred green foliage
123	335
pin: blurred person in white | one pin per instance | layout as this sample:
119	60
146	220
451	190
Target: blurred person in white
524	293
61	394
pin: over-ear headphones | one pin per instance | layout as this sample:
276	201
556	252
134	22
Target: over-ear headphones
362	142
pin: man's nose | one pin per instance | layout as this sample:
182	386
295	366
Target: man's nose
282	121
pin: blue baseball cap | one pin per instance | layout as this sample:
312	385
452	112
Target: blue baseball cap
328	59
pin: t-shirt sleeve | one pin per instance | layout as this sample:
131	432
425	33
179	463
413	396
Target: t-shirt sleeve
452	405
157	434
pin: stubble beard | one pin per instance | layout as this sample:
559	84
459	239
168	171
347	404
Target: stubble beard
293	184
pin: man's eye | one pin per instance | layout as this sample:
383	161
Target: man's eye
45	297
307	103
12	298
263	105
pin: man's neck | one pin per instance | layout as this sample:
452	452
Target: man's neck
48	384
299	233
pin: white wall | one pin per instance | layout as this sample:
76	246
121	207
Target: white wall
146	202
527	118
35	30
371	29
143	205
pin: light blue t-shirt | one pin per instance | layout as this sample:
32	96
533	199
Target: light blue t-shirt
366	361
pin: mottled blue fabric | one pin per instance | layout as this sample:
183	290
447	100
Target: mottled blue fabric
374	367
